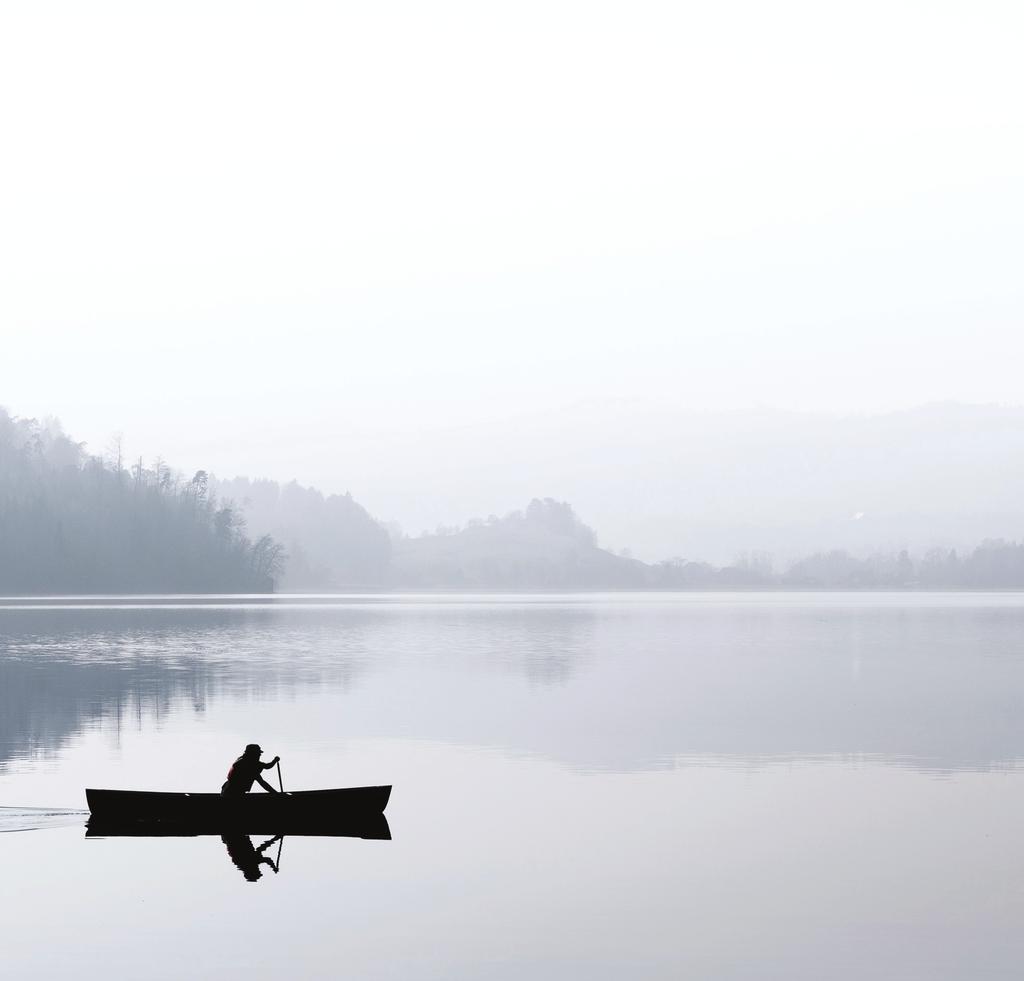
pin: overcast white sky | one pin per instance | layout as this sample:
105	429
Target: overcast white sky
288	239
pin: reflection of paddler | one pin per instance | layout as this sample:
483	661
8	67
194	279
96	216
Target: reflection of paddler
247	858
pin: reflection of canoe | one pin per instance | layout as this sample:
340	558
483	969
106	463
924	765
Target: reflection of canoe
372	826
270	811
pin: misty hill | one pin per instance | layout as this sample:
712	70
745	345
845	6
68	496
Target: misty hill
663	481
70	523
546	547
331	540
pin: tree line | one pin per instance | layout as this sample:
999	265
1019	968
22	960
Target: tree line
994	564
75	522
547	546
331	540
71	522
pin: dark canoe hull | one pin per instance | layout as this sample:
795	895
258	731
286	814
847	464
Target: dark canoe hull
323	809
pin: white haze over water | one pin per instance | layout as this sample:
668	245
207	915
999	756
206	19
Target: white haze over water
452	256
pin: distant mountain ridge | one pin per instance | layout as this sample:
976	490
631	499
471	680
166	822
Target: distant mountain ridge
664	481
73	522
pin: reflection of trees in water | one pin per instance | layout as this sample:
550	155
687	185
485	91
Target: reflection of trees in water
549	646
546	643
608	685
44	701
64	671
623	685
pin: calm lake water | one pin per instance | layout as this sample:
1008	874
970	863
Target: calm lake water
708	786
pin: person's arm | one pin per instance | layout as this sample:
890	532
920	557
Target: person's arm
266	786
271	764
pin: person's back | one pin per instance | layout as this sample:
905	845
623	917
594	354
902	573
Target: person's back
246	770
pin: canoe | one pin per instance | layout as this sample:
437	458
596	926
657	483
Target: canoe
263	810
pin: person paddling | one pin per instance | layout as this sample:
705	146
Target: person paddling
246	770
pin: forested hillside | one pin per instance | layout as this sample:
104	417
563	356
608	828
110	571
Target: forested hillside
331	540
72	523
548	547
544	547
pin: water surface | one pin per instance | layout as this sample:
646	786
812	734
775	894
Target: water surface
637	785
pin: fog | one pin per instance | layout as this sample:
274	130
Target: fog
599	423
692	269
714	485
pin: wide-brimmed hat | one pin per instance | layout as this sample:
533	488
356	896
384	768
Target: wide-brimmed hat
253	748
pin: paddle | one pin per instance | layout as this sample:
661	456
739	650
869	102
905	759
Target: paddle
280	843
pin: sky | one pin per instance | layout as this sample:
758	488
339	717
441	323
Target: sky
317	240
